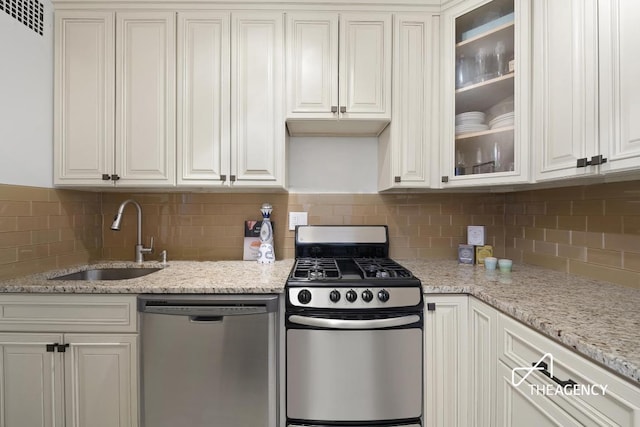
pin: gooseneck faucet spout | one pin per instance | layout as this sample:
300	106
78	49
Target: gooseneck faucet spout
115	226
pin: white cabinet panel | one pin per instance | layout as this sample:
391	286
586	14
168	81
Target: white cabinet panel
446	363
84	97
30	381
203	97
483	363
101	380
405	148
619	84
145	87
312	61
257	99
565	87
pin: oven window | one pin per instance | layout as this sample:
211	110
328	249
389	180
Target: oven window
344	375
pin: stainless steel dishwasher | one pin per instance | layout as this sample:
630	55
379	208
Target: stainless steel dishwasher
209	360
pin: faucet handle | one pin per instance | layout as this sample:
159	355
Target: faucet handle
151	246
147	250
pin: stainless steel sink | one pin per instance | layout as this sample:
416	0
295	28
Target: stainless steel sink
107	274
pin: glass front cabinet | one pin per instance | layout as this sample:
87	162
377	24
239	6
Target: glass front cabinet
485	93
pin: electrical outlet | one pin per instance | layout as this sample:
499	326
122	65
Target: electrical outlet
297	218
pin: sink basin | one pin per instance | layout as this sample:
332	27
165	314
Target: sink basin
107	274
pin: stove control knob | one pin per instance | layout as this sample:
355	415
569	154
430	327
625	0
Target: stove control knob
334	295
383	295
367	295
304	296
351	295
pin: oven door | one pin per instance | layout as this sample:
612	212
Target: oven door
354	370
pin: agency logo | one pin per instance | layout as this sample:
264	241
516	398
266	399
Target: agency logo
563	387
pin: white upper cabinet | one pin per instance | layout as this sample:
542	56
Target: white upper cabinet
339	69
145	98
84	121
114	103
231	127
407	146
565	89
485	97
257	101
619	84
203	98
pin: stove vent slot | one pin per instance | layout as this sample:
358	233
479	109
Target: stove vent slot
28	12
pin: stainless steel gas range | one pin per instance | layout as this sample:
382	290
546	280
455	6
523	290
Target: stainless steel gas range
354	320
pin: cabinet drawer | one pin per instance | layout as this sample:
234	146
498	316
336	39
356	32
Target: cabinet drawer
520	346
68	313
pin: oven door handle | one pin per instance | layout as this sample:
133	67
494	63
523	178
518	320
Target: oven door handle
354	324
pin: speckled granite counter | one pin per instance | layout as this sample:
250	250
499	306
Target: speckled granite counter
207	277
598	320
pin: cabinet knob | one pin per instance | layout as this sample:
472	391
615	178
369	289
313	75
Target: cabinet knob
223	178
343	109
232	178
115	177
598	160
445	178
334	109
397	179
106	177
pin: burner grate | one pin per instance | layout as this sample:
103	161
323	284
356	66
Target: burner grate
381	268
316	269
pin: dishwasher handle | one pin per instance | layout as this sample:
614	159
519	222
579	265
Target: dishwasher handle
205	310
207	305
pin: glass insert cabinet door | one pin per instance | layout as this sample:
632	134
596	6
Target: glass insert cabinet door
486	99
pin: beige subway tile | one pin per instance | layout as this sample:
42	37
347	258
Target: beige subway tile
583	238
75	258
441	242
440	220
524	244
516	209
353	220
419	241
15	208
558	236
558	207
344	210
604	224
624	189
546	221
8	255
541	247
536	208
462	220
430	209
337	220
631	224
631	261
558	194
573	252
28	223
532	233
430	230
587	207
55	221
524	220
604	273
23	193
545	260
609	258
399	241
45	236
622	242
419	219
622	206
45	208
453	208
15	238
368	220
514	254
403	253
386	210
453	231
409	210
8	223
33	252
59	248
578	223
514	232
438	253
482	220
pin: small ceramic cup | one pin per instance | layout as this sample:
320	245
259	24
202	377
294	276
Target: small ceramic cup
505	265
490	263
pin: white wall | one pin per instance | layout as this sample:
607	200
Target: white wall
333	165
26	102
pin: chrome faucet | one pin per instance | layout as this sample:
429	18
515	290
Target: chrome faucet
140	249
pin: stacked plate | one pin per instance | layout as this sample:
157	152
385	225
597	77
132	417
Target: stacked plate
503	120
471	121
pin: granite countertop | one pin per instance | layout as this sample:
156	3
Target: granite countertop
599	320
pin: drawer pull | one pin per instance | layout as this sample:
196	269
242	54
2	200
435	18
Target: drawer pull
543	367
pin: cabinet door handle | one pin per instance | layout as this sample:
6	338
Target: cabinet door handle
397	179
106	177
343	109
115	177
223	178
543	367
598	160
445	178
232	178
334	109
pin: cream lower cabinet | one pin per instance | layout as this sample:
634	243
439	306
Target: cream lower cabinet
406	148
571	391
231	129
114	98
483	363
446	368
68	378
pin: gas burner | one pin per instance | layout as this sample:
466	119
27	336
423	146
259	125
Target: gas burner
315	269
381	268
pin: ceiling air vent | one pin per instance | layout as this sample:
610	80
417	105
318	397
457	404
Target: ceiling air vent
28	12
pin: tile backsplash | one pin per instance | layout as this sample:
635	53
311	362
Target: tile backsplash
592	231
